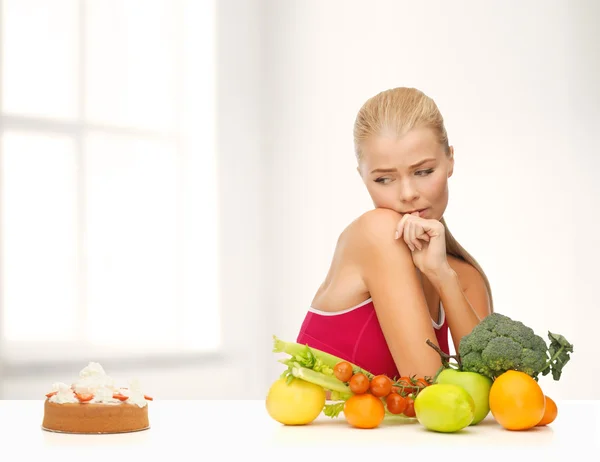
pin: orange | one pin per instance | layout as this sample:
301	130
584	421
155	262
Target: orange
550	413
517	401
364	411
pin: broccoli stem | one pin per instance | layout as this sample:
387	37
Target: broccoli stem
445	357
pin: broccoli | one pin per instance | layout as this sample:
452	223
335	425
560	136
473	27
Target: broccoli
499	343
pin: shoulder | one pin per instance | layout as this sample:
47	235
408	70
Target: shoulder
374	225
370	237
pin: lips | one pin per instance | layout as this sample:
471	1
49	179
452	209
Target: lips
421	212
413	211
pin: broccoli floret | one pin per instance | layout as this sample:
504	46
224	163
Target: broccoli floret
472	362
490	321
517	331
532	361
502	354
476	342
498	344
539	344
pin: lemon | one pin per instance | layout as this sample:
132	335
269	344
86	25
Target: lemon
444	407
297	403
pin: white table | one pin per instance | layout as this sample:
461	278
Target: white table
191	430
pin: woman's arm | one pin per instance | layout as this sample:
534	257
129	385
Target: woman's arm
464	308
390	276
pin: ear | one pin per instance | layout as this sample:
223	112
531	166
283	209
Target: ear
451	159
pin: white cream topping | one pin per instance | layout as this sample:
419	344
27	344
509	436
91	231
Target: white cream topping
64	394
135	394
104	395
93	379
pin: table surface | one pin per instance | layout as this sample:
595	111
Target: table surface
244	428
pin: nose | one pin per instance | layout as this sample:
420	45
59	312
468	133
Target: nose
408	193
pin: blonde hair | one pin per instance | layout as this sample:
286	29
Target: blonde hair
398	111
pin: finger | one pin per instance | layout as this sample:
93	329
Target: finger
414	232
406	236
399	230
413	235
422	235
400	227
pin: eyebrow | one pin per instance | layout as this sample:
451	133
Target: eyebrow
389	170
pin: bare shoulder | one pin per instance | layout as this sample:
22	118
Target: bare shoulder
374	225
372	234
344	284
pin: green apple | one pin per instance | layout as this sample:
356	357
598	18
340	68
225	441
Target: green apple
444	407
477	385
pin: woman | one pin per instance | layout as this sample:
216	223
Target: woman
398	277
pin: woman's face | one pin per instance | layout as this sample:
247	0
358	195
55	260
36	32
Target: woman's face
407	174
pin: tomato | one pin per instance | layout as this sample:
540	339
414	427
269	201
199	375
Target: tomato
364	411
410	384
343	371
381	386
395	403
423	382
410	408
359	383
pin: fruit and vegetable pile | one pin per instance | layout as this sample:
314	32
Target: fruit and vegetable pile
497	368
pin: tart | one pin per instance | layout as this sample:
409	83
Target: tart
94	405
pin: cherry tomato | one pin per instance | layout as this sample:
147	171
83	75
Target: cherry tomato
359	383
405	385
381	386
410	408
411	384
343	371
422	382
395	403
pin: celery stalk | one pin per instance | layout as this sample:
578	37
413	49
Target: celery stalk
308	356
326	381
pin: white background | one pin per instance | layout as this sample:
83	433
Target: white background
517	85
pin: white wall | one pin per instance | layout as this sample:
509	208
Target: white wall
517	84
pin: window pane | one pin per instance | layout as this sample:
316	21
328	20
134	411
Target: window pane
40	57
201	312
39	240
131	62
132	242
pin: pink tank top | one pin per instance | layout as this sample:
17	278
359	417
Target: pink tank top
356	336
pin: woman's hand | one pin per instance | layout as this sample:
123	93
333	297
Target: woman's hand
427	241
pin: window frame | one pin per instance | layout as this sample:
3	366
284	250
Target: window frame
20	359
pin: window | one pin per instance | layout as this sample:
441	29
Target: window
108	179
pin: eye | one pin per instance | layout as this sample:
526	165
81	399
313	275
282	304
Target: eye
424	172
383	180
